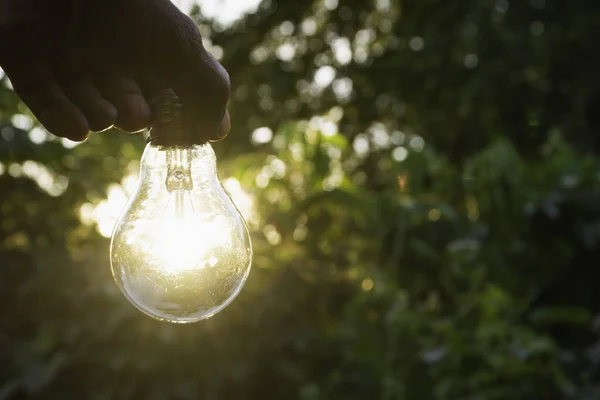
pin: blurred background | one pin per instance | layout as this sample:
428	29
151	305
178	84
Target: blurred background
422	184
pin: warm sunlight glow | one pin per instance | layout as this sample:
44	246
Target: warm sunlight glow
106	213
53	184
184	242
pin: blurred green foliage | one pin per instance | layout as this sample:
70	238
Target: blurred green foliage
426	217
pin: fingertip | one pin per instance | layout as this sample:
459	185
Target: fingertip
103	116
133	113
67	122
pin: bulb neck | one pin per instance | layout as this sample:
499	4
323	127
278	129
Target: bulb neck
169	127
179	174
172	166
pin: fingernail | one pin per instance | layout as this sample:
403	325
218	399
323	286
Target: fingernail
224	126
78	138
66	122
102	117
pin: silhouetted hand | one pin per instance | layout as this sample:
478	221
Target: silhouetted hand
86	65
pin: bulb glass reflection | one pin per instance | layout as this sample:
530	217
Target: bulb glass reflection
180	251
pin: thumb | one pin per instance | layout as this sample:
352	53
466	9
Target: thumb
200	82
204	89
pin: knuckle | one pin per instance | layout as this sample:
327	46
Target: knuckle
189	24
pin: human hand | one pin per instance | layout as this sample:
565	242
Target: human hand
86	65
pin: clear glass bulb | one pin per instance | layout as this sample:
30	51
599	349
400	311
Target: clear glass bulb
181	251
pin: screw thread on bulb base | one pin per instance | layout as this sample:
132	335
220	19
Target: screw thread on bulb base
168	126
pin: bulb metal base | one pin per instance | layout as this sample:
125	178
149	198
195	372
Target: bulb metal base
169	127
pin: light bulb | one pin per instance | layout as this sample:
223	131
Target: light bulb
181	251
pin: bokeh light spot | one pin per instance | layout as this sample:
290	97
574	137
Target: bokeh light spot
262	135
